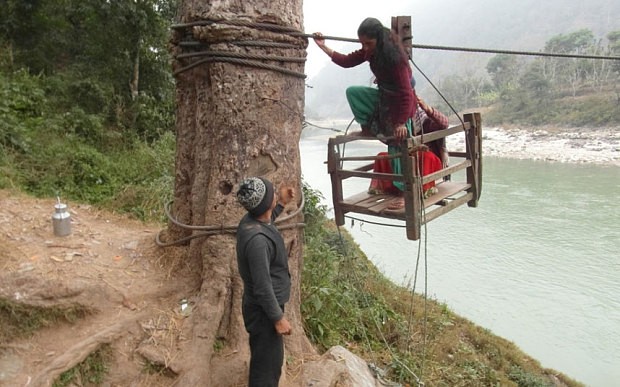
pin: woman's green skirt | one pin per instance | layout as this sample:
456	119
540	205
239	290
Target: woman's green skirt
364	102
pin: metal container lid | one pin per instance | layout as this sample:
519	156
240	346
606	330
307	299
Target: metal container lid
60	207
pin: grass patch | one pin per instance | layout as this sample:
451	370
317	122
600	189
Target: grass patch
19	320
90	372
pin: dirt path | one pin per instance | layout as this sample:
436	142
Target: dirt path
109	266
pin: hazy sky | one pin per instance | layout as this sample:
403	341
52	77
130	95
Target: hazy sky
341	18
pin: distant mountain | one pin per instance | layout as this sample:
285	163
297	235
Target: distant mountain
524	25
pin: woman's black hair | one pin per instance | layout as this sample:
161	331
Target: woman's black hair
388	51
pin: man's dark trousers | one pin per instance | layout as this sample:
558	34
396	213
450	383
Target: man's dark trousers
266	347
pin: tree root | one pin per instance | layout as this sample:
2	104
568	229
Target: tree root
80	351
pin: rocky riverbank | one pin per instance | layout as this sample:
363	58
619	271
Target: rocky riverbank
573	145
599	146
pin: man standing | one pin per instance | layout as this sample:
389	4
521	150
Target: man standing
263	265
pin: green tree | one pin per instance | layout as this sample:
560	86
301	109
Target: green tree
614	48
564	73
504	70
110	55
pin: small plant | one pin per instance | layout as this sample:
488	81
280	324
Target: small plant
19	320
91	371
219	344
526	379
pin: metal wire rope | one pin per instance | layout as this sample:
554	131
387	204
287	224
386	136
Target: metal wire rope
237	22
159	242
510	52
241	55
479	50
222	229
257	43
239	58
242	62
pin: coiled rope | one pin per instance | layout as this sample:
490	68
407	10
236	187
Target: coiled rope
222	229
238	58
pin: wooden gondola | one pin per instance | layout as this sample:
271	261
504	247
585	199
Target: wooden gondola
418	210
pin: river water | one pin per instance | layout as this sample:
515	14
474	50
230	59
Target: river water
536	262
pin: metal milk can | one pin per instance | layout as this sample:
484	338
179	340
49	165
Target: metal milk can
61	220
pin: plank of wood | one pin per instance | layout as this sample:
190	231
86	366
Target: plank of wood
359	197
445	190
452	204
384	204
370	204
446	171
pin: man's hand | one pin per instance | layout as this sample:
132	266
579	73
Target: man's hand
286	194
283	327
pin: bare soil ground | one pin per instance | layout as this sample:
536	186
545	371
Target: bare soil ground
108	266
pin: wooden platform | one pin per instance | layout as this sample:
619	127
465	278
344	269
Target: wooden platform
377	205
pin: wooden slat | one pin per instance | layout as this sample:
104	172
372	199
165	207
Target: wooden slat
457	154
345	139
360	197
452	204
383	204
332	168
345	174
428	137
445	190
367	203
366	158
364	168
446	171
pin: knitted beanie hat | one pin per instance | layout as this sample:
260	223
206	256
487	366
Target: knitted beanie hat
255	195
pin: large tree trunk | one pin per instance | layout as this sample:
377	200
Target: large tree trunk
233	121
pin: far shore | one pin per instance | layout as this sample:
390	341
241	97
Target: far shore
599	146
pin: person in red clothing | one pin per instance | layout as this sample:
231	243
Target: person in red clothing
387	109
430	120
427	119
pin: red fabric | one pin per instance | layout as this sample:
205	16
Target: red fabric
383	186
429	161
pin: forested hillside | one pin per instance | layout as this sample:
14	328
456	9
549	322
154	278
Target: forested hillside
87	101
521	89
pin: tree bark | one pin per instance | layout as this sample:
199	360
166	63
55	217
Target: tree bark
233	121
